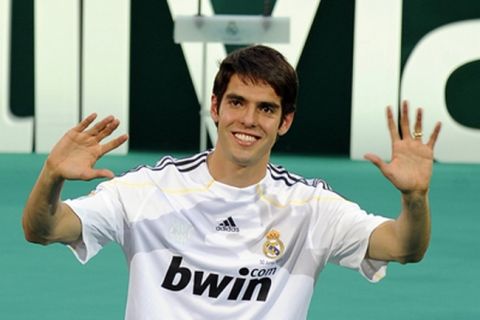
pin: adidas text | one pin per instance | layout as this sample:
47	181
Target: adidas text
228	229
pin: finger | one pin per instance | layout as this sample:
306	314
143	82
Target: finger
109	128
434	136
99	126
404	121
379	163
103	173
91	173
392	125
96	174
113	144
417	131
85	122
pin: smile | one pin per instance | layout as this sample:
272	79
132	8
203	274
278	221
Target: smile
245	137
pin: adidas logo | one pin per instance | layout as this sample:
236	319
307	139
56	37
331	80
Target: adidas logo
228	225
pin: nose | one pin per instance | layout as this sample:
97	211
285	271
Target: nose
249	118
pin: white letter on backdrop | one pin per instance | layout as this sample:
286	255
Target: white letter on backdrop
106	61
301	13
56	70
376	74
427	70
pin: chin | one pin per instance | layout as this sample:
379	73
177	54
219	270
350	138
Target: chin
247	159
243	161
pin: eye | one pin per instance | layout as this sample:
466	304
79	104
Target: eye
267	108
235	102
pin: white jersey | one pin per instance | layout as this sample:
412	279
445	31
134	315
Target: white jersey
200	249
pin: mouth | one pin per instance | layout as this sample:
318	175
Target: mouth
245	139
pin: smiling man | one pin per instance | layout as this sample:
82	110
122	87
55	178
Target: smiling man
249	119
225	234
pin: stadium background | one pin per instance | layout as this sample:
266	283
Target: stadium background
47	283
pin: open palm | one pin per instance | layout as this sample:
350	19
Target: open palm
75	155
410	168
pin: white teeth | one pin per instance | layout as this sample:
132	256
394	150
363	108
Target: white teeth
244	137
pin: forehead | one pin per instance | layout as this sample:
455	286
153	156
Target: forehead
251	89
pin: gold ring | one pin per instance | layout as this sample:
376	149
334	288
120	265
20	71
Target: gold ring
417	134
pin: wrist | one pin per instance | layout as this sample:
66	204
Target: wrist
415	194
415	202
51	173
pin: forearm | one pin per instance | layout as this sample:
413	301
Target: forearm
413	227
43	208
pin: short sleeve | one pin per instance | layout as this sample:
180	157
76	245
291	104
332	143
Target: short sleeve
350	245
102	218
346	230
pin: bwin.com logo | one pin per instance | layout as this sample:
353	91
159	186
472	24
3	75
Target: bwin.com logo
178	277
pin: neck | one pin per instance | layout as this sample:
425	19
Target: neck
235	174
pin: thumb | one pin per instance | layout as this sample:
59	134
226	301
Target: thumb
373	158
100	173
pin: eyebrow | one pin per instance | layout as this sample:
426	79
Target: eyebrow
261	103
235	96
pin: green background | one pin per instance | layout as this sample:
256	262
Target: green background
48	283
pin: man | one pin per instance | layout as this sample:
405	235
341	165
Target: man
225	234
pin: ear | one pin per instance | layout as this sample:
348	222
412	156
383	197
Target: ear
214	108
286	123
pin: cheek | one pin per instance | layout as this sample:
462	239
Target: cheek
273	129
229	116
224	118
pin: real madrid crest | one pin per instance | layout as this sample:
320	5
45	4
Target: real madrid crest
273	248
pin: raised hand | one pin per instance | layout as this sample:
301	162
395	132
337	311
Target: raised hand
75	154
410	168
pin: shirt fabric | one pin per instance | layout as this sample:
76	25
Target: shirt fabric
200	249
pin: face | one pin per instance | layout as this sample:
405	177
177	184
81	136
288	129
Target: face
249	119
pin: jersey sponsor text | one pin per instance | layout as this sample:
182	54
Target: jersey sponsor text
178	277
